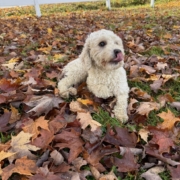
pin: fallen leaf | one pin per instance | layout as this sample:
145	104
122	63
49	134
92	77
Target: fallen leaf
109	176
4	155
152	174
169	120
154	152
2	99
97	154
22	166
15	115
132	106
43	104
30	81
144	133
33	126
162	138
85	101
167	77
176	105
7	85
75	106
161	65
44	138
4	120
20	145
175	172
78	163
44	173
96	174
45	50
57	157
70	139
135	151
156	85
147	69
146	107
85	119
49	30
127	163
126	138
140	93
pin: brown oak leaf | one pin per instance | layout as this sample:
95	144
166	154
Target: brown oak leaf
43	104
70	139
33	126
162	139
22	166
127	163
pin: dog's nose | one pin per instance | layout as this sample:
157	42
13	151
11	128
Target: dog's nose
116	51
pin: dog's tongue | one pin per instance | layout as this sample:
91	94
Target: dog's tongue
119	57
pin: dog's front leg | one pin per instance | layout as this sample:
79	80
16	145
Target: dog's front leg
120	109
74	73
65	87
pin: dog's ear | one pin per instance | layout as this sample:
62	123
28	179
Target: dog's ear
85	54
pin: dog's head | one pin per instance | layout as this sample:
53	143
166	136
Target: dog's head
103	49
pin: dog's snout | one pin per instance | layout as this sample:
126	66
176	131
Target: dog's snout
116	51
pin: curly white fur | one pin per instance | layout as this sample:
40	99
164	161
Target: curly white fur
101	65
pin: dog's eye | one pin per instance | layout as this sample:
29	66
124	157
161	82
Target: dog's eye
102	43
116	43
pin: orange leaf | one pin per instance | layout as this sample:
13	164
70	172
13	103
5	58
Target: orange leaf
169	120
22	166
85	101
33	127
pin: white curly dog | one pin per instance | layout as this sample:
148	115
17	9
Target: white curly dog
101	65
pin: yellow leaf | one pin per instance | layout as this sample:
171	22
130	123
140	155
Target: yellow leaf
150	30
85	101
75	106
169	120
49	30
20	145
176	27
167	36
13	60
23	36
4	155
144	134
46	50
58	57
154	77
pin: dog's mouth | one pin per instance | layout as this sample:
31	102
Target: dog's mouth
119	58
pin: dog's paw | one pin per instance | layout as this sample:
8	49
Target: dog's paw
72	91
122	117
65	94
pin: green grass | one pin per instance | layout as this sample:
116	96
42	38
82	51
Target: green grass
4	138
165	175
154	50
153	119
173	88
105	119
141	85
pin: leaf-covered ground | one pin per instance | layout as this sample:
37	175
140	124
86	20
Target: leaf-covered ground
46	137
